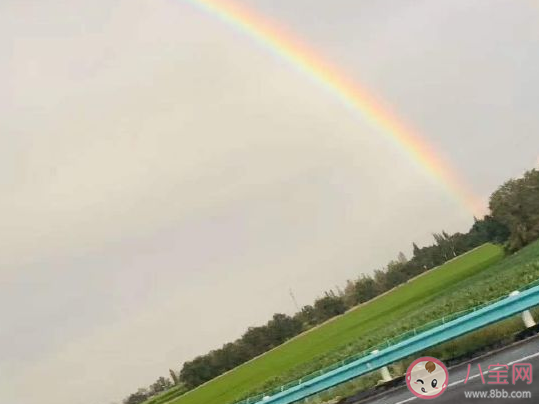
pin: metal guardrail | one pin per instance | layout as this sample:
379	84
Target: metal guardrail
402	347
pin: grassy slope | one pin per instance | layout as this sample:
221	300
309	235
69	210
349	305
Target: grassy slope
379	313
497	280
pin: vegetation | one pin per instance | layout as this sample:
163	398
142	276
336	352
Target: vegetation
168	395
483	286
161	387
258	340
514	221
459	349
319	346
516	205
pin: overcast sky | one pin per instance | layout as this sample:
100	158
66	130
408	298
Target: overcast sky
165	180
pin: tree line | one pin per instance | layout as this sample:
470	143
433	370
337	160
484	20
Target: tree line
161	385
257	340
513	221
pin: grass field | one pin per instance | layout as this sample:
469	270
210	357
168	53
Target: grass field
497	280
378	314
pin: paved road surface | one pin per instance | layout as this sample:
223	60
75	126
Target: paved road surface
527	352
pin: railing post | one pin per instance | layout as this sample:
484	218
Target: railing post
384	371
527	317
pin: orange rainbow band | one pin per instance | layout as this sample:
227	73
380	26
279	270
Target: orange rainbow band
284	44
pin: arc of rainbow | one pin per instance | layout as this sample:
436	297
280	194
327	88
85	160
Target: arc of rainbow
287	46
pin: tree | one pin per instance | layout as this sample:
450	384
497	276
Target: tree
160	385
445	245
307	316
516	205
416	249
380	279
488	229
257	340
329	306
136	398
282	327
173	376
197	371
350	296
401	258
394	274
366	288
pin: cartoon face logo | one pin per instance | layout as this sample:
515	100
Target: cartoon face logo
427	377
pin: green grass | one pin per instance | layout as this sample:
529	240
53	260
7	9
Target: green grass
167	396
498	280
377	314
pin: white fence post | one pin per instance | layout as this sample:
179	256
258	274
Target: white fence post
526	315
384	371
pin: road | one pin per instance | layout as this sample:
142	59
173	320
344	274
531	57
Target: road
526	352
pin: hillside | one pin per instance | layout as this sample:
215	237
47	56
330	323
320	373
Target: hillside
379	313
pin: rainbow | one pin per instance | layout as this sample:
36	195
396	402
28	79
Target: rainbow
287	46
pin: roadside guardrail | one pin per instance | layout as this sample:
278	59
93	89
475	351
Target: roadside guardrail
474	319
